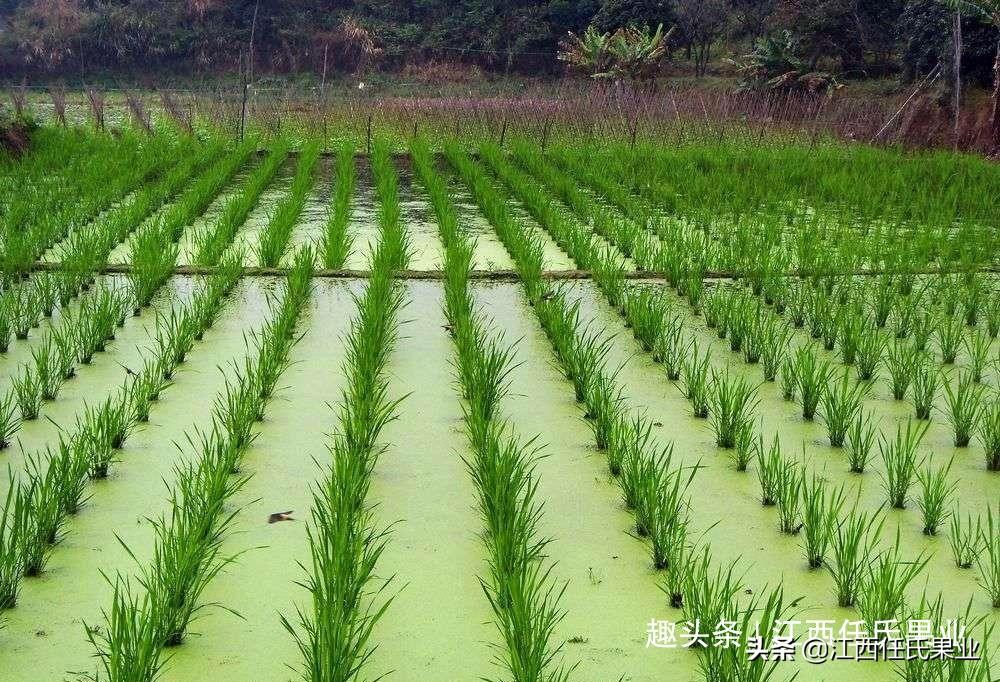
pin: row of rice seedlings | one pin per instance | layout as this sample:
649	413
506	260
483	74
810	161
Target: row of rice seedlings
346	541
274	239
54	484
395	247
22	306
213	241
187	554
155	249
336	243
76	338
653	488
87	182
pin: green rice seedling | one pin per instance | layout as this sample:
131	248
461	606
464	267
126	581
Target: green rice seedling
903	316
840	406
926	378
44	515
24	311
709	594
64	340
746	444
670	348
631	445
935	494
789	379
900	458
28	392
337	241
964	407
883	299
788	497
714	308
604	411
154	253
582	358
820	510
70	462
900	362
726	659
770	468
882	592
977	345
861	442
129	649
668	531
993	316
649	475
274	238
964	536
988	558
799	306
175	335
871	348
46	370
953	663
922	329
812	376
733	400
989	432
694	380
679	562
9	421
972	301
646	311
14	519
774	342
852	542
6	329
949	335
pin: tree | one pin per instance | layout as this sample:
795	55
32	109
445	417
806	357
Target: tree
989	11
701	23
630	53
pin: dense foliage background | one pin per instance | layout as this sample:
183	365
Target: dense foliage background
852	38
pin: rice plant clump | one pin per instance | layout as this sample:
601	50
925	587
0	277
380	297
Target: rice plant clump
732	402
900	458
964	407
841	405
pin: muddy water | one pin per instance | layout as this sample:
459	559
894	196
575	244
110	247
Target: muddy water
489	253
612	590
748	531
553	257
96	381
282	465
188	242
315	213
52	611
439	626
248	236
363	227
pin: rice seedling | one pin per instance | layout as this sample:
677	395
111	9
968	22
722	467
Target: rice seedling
13	523
861	438
694	381
709	594
935	495
988	558
770	469
733	400
670	348
812	376
922	329
774	348
871	347
820	510
900	458
274	239
949	335
964	407
989	433
882	592
6	322
28	392
964	536
841	404
788	497
852	542
9	421
746	446
24	311
926	378
129	648
44	516
337	241
646	311
901	362
977	346
605	408
993	317
789	379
